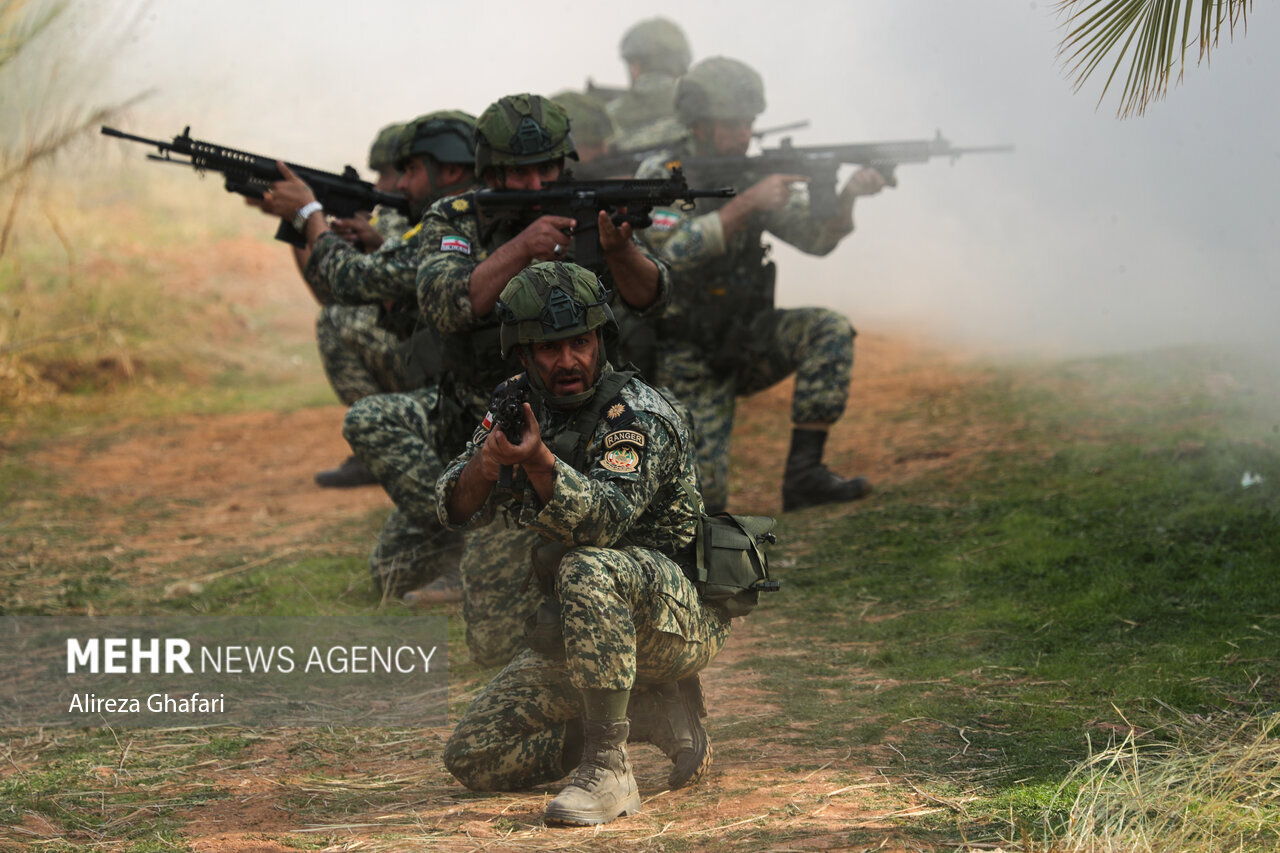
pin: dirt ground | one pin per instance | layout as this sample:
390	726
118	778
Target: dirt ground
216	481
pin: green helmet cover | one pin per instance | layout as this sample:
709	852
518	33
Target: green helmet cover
551	301
591	124
657	45
719	88
446	135
382	152
521	130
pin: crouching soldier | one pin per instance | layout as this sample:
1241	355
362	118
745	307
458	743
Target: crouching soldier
604	473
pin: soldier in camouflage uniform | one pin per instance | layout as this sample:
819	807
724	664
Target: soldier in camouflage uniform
522	142
604	477
656	53
402	438
593	130
722	336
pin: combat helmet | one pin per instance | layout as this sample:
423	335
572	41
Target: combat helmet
382	152
551	301
657	45
520	130
717	89
446	135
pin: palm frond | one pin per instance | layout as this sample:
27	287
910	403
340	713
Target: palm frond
1153	35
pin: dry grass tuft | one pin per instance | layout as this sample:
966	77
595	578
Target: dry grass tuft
1213	784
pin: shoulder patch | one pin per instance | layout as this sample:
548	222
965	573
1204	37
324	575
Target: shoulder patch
454	243
623	436
624	459
664	219
412	232
482	431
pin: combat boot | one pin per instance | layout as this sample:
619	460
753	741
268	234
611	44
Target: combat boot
669	716
807	482
603	786
352	472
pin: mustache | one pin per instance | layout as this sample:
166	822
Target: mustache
568	373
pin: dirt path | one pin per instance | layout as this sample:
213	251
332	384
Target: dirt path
202	486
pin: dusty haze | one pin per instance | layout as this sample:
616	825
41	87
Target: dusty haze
1097	235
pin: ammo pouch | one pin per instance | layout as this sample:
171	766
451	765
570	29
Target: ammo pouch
421	363
729	567
544	630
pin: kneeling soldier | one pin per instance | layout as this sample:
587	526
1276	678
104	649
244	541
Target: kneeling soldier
604	472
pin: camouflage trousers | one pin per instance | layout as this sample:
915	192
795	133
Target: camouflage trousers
498	595
393	434
359	356
815	344
400	437
630	617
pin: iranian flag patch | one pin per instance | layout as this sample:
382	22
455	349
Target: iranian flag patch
456	244
665	220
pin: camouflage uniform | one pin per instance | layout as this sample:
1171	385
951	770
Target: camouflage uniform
629	613
722	337
455	242
648	103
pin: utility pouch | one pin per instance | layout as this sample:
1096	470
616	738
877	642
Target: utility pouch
545	557
421	363
730	568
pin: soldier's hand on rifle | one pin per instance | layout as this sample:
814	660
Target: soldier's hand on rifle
613	238
865	181
286	197
771	193
530	452
547	238
358	232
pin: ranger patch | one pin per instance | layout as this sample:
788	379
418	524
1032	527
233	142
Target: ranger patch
623	459
665	220
623	436
456	244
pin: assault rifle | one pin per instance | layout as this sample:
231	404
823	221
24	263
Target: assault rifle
627	160
508	415
251	175
625	200
822	163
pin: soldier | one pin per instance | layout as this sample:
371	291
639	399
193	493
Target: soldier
593	130
722	335
605	480
656	53
401	438
522	142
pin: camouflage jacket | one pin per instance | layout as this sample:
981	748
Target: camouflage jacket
339	272
634	486
454	240
388	221
723	275
652	97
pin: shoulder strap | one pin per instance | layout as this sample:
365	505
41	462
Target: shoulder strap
571	444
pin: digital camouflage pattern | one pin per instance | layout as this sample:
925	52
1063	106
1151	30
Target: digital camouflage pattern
358	355
724	293
339	272
389	222
497	593
630	616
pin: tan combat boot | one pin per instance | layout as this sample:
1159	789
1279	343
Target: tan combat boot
602	787
669	716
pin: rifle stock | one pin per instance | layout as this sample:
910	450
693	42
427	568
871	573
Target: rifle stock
250	175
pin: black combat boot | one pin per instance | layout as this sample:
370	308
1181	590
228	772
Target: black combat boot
807	482
602	787
669	716
352	472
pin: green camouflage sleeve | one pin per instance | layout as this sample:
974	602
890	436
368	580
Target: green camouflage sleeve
449	253
794	225
449	481
625	469
352	277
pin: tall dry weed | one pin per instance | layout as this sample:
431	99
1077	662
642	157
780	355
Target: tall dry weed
1204	783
